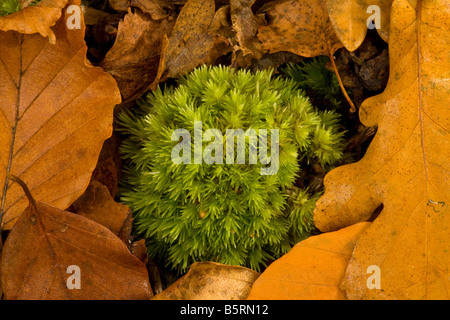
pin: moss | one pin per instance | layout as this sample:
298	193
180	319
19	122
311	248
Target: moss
206	208
8	7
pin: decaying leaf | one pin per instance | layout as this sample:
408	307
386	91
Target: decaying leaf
406	167
298	26
35	19
246	27
49	250
133	60
312	270
119	5
190	40
211	281
349	19
157	9
56	110
98	205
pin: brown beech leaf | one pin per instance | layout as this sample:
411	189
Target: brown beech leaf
157	9
312	270
56	110
109	165
119	5
97	204
190	41
46	244
298	26
406	167
211	281
349	19
245	26
133	59
35	19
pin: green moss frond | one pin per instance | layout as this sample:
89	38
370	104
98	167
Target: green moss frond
229	213
9	6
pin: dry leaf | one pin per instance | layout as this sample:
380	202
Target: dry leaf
245	26
157	9
298	26
35	19
109	165
211	281
133	59
349	19
119	5
139	250
97	204
56	110
93	16
190	41
44	244
312	270
406	167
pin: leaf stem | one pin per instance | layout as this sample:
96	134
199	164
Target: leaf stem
352	106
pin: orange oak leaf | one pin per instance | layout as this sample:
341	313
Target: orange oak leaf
406	167
349	19
312	270
51	254
35	19
56	110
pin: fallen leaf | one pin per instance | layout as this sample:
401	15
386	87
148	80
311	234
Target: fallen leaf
98	205
35	19
133	60
298	26
246	27
119	5
157	9
46	241
211	281
93	16
312	270
109	165
56	110
139	250
190	41
406	167
349	19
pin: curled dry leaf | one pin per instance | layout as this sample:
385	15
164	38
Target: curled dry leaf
298	26
97	204
157	9
349	19
56	110
211	281
133	59
119	5
406	167
46	241
190	41
35	19
245	26
312	270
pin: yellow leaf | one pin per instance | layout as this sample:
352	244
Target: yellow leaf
406	167
349	19
312	270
